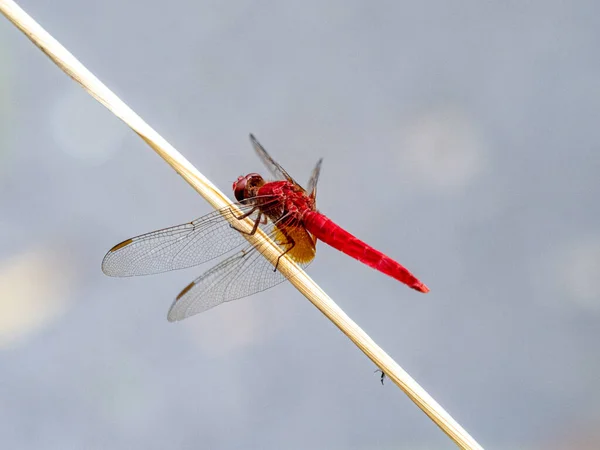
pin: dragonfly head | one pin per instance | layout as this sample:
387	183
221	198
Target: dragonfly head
245	187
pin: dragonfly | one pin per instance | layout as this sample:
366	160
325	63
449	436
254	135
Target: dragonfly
282	209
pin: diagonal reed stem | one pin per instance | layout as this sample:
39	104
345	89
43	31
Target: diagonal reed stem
70	65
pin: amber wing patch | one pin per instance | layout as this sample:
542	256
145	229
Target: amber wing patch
304	248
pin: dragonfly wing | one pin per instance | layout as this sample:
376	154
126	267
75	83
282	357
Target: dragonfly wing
314	178
242	274
269	162
177	247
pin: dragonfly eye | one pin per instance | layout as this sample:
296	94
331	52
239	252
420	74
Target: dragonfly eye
239	188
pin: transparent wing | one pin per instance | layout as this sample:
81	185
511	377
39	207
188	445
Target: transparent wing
314	178
275	169
244	273
177	247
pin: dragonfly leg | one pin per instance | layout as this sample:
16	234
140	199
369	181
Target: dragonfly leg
291	243
254	228
243	216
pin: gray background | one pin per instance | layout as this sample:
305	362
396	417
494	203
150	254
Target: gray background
459	137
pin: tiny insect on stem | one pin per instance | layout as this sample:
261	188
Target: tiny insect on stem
382	375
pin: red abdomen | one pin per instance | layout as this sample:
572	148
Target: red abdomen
327	231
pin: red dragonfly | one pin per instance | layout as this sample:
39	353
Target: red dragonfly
282	209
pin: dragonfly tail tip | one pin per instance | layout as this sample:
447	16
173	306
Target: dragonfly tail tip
421	288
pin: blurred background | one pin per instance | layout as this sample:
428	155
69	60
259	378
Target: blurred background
460	138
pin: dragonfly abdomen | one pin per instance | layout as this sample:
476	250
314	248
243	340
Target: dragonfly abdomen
332	234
